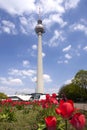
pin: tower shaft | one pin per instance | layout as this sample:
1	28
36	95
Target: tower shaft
40	83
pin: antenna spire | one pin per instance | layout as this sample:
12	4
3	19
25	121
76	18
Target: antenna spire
39	13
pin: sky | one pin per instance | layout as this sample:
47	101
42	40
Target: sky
64	43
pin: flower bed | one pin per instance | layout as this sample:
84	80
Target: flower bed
40	115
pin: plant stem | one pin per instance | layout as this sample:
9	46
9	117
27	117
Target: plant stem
65	124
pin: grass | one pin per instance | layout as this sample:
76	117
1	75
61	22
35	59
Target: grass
24	121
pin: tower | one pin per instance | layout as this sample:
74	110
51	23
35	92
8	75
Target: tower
39	29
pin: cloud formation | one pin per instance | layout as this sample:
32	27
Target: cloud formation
68	56
66	48
22	73
57	37
85	48
8	27
34	47
17	7
52	12
79	27
11	81
26	63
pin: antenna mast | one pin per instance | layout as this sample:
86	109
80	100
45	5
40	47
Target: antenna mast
39	13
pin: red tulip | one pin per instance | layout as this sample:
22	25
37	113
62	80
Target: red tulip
78	121
54	95
54	101
65	108
48	97
51	122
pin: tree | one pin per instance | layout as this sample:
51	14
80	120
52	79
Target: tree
78	88
3	96
71	91
80	79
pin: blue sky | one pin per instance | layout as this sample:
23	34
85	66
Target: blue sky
64	43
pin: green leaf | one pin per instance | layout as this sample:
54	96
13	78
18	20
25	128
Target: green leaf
41	127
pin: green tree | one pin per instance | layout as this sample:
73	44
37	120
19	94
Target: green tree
80	79
2	96
78	88
71	91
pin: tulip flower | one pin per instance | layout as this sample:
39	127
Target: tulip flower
51	122
48	97
54	101
65	109
78	121
54	95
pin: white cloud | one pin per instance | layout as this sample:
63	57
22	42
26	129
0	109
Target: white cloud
26	10
34	79
23	21
27	24
68	56
11	81
23	30
56	37
34	50
8	23
62	61
79	27
26	63
15	82
52	6
85	48
8	27
47	78
66	48
28	6
57	18
22	73
17	6
71	3
43	54
68	81
54	18
34	47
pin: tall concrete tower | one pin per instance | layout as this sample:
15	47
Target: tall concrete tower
39	29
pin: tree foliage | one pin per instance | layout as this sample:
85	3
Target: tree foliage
2	96
71	91
77	90
80	79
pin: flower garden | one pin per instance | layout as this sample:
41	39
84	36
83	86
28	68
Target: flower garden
48	114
